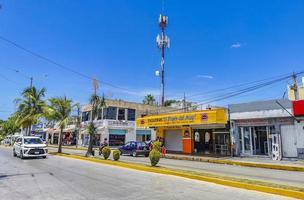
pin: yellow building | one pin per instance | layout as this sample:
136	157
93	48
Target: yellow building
291	94
203	131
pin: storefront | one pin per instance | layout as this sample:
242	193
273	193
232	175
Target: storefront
201	132
263	128
116	132
143	135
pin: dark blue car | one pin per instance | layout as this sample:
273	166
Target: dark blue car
135	148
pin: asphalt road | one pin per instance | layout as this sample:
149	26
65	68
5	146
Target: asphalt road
63	178
291	178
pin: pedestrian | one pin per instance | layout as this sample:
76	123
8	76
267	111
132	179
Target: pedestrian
104	144
163	151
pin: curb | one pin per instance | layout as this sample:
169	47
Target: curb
231	183
240	163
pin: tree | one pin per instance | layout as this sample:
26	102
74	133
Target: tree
97	103
60	110
30	107
149	99
8	127
169	102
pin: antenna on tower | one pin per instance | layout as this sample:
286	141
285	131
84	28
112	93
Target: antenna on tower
163	42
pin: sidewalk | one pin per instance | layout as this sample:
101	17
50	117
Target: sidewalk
259	162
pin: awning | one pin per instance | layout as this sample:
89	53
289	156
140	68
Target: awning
117	131
143	132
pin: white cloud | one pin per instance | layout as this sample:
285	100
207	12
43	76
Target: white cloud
205	76
236	45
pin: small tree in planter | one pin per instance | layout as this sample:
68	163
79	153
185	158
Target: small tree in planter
116	155
154	155
106	151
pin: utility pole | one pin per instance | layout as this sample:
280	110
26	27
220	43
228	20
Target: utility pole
294	87
31	80
184	102
163	42
77	124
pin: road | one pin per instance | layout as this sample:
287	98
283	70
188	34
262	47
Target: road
290	178
63	178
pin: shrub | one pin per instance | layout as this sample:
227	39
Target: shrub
116	155
154	157
156	146
106	151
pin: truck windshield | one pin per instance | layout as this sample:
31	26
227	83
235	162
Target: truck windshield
32	141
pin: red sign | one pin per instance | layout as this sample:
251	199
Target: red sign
298	108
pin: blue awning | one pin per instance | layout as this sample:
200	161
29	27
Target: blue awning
117	131
143	132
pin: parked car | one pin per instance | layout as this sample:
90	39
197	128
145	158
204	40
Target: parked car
29	146
135	148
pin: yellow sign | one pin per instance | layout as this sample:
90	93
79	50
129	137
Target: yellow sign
216	116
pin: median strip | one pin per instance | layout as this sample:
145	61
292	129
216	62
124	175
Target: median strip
271	188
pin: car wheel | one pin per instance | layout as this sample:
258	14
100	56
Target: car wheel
44	157
14	153
21	155
134	154
146	155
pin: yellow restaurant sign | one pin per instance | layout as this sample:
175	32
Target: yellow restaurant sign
216	116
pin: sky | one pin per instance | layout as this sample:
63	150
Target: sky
214	44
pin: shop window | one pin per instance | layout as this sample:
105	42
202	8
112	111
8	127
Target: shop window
110	113
99	114
85	116
131	114
121	114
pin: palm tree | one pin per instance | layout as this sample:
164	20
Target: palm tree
149	99
60	110
97	103
30	107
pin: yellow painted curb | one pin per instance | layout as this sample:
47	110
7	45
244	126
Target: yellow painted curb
236	184
240	163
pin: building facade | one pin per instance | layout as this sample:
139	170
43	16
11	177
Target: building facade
265	128
291	92
197	132
116	123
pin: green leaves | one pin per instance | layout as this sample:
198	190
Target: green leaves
30	107
59	110
149	99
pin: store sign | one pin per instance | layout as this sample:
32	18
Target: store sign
298	108
116	123
180	119
264	122
110	123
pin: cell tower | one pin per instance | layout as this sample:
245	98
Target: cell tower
163	42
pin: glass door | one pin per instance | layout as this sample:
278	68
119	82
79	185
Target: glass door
246	140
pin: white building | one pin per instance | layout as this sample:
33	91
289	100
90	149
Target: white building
116	123
266	128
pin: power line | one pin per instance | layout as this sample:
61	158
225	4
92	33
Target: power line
209	92
238	92
61	65
7	79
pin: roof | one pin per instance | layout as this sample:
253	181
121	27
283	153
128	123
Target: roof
260	106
